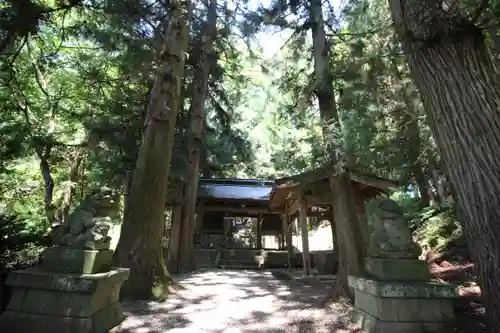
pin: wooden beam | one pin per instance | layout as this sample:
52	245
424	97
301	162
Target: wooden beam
305	237
301	180
293	207
383	184
313	200
322	215
232	209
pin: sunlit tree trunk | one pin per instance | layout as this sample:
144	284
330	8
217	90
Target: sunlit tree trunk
195	137
140	245
351	251
454	72
347	245
323	86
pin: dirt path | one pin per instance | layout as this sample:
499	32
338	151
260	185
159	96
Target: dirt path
236	302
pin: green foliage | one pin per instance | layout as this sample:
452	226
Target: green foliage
438	230
76	81
73	93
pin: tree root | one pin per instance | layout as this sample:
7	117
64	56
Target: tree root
339	293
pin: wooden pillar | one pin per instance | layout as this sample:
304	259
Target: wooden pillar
282	233
289	241
305	236
198	225
227	231
259	232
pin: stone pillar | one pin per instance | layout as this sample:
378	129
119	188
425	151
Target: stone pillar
396	294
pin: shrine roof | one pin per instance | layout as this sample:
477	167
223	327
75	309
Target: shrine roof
235	189
365	185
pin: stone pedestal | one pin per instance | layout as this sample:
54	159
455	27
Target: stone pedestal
403	270
48	302
397	297
60	259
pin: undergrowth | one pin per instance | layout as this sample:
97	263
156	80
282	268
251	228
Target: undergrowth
435	228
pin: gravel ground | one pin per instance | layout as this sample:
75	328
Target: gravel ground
218	301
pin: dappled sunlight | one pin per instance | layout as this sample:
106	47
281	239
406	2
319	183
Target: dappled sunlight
236	301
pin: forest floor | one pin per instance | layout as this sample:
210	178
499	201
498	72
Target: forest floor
237	302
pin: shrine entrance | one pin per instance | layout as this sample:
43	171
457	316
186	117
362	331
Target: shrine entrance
242	233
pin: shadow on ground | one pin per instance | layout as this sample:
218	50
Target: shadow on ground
219	301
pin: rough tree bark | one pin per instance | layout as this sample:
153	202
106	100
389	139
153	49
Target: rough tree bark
195	134
348	228
175	231
140	245
457	80
323	86
330	119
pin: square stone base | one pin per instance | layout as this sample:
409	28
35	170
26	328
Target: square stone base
45	302
407	270
99	322
62	259
371	324
402	307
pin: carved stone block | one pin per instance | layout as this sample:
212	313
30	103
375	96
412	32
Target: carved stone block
397	269
63	303
402	307
62	259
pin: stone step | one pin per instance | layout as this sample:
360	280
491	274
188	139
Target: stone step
237	262
240	267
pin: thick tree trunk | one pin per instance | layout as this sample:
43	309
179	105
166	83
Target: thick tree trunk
323	86
140	245
348	246
175	231
456	77
195	134
350	236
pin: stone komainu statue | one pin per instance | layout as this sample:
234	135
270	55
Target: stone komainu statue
87	227
391	237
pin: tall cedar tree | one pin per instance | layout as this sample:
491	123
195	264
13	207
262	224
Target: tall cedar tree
196	126
457	80
140	245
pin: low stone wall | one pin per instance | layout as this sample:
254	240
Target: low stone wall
276	259
206	258
323	261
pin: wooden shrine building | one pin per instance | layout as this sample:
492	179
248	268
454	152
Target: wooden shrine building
235	214
247	216
314	193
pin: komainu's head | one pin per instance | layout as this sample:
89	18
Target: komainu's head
103	200
386	208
